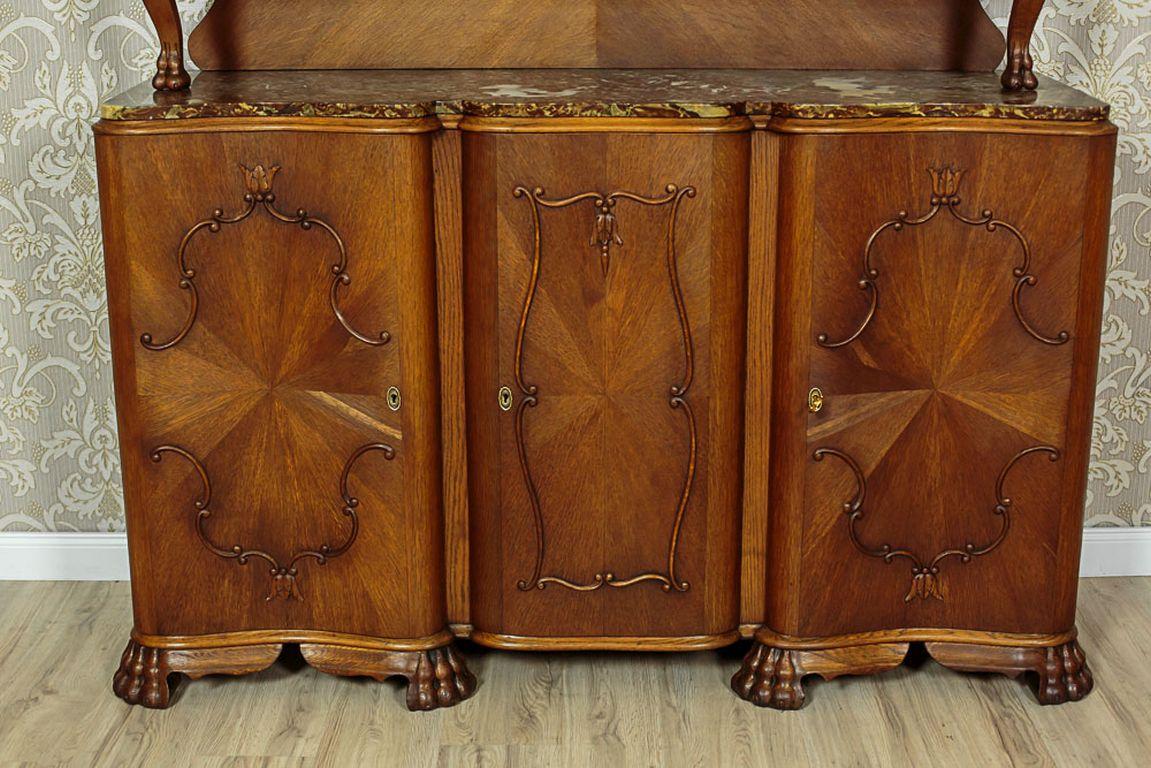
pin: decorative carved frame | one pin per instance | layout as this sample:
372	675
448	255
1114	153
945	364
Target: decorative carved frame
284	576
926	580
945	196
258	182
604	234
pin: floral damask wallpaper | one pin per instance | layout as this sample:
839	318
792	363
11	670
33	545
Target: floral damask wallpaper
59	466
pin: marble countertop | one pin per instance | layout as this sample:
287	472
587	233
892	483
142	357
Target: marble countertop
602	93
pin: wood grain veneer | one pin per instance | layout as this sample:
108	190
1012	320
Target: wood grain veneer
281	478
604	500
589	359
952	343
805	34
961	385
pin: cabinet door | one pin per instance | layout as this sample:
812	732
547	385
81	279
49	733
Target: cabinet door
271	300
938	321
604	350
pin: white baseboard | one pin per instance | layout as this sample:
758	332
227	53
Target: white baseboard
104	556
1116	552
63	557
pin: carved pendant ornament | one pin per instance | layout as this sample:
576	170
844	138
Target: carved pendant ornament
926	580
258	184
284	574
945	196
605	234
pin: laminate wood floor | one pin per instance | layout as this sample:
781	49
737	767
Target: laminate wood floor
60	642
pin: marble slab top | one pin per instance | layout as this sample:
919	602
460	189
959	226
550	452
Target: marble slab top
602	93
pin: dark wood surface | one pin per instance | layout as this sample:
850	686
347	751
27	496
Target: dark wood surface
370	34
603	93
952	428
605	500
171	74
438	677
659	267
275	360
1018	74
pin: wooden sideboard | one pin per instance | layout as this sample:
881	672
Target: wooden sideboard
617	359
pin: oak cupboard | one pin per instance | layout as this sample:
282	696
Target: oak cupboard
572	357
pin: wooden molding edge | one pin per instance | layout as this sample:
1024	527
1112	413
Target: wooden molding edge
797	125
524	643
604	124
937	635
107	127
304	636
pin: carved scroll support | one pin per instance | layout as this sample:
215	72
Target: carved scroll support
437	678
1018	74
145	674
170	72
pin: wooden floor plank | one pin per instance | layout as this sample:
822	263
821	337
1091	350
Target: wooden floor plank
59	643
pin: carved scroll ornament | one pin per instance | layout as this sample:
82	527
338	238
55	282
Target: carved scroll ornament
926	581
605	234
945	196
258	183
284	574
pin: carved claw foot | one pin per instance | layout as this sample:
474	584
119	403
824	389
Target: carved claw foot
770	677
441	679
773	676
145	671
1062	669
1064	675
143	676
1019	74
170	73
436	678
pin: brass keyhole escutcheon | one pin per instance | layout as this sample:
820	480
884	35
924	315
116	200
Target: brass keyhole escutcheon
394	398
505	399
815	400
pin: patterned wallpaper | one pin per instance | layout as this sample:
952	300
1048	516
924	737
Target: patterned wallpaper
59	467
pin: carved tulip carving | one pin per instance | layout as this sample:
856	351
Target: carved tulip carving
258	180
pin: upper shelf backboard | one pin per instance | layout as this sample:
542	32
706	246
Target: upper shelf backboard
769	34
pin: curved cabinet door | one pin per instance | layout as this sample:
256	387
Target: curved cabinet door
604	310
938	327
272	313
